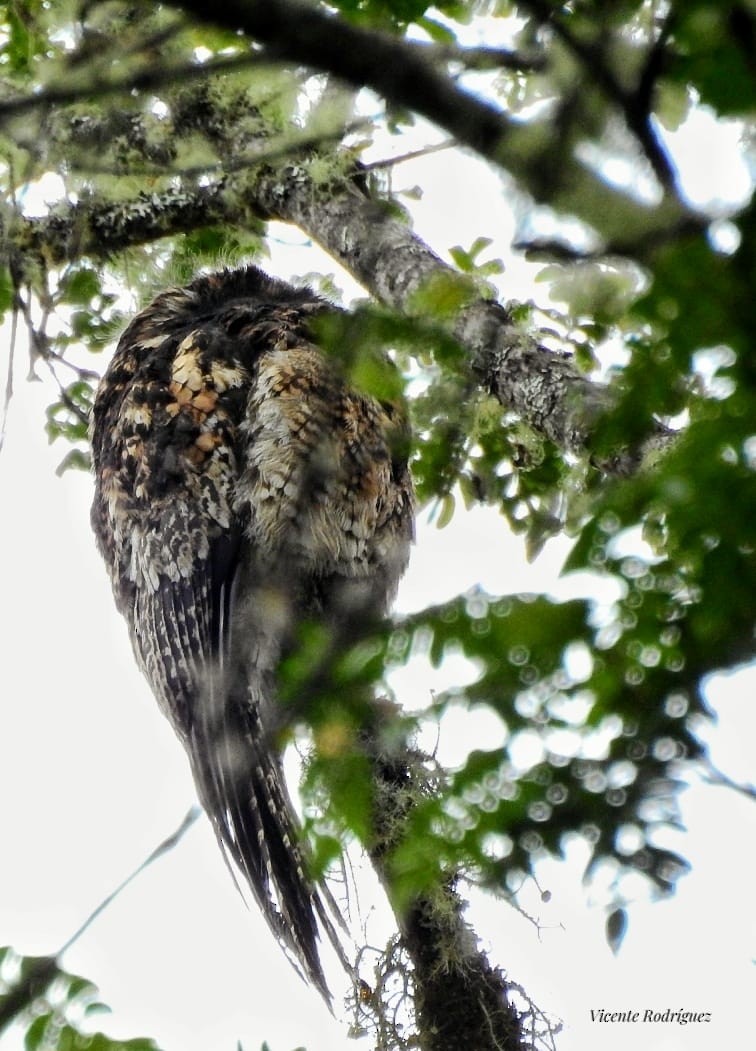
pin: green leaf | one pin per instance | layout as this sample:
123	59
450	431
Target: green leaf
438	32
37	1031
74	460
443	295
81	286
7	291
446	513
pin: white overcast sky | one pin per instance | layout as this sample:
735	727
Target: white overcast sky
92	778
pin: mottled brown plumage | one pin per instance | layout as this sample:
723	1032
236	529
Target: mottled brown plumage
240	487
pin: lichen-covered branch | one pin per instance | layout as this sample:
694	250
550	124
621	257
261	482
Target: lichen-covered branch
382	251
460	999
540	152
398	71
100	229
542	387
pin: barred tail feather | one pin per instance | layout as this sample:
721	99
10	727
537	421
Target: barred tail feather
242	788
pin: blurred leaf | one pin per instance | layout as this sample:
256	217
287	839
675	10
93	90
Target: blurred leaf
438	32
74	460
616	928
48	1004
23	40
713	54
443	295
7	291
80	286
35	1034
447	511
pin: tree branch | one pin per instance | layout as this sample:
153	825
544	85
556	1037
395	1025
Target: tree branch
144	80
403	74
386	257
160	851
399	71
460	999
714	776
634	105
384	254
99	229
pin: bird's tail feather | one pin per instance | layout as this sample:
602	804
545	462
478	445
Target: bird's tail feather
241	784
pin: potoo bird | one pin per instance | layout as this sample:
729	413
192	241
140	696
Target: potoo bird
242	486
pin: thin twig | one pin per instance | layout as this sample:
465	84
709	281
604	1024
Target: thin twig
9	378
89	375
634	248
154	77
411	155
715	776
167	844
485	58
40	972
653	67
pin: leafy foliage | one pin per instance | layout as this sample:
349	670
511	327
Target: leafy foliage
398	14
57	1007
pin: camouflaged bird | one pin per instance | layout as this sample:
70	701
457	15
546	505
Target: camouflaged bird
241	486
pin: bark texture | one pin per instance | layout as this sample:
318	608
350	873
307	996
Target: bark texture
461	1001
542	387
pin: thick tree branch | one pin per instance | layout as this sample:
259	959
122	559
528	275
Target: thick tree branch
387	258
384	254
99	229
403	74
398	71
461	1001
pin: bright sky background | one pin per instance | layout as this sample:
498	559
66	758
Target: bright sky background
92	778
